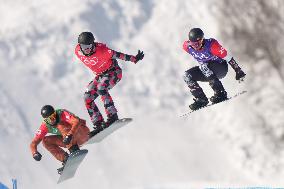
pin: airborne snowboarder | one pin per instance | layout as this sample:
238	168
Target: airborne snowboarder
69	131
102	61
212	59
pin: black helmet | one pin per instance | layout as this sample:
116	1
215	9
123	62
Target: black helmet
46	111
195	34
86	38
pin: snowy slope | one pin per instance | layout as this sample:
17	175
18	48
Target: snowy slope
157	150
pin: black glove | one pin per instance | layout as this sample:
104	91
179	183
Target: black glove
67	139
240	75
139	56
37	156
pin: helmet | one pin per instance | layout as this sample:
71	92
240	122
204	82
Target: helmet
195	34
86	38
46	111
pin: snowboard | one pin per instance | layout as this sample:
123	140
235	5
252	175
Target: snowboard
72	164
107	131
210	104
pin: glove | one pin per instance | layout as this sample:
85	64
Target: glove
67	139
240	75
139	56
37	156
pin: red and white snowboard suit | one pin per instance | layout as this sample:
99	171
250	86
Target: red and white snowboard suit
108	73
67	124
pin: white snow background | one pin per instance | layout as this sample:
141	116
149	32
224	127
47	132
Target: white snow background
237	143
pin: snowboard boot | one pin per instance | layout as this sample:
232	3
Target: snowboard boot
74	148
60	170
98	127
198	103
219	97
111	119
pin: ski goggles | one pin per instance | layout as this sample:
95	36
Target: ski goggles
50	119
196	44
85	47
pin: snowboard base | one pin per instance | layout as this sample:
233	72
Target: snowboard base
72	164
107	131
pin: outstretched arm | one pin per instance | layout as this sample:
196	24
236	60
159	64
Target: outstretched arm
122	56
126	57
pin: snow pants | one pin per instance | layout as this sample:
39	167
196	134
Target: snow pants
100	86
54	143
196	73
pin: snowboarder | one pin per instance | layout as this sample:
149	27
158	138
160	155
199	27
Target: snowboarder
212	59
102	61
69	131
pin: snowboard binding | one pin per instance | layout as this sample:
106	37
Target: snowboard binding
198	103
219	97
